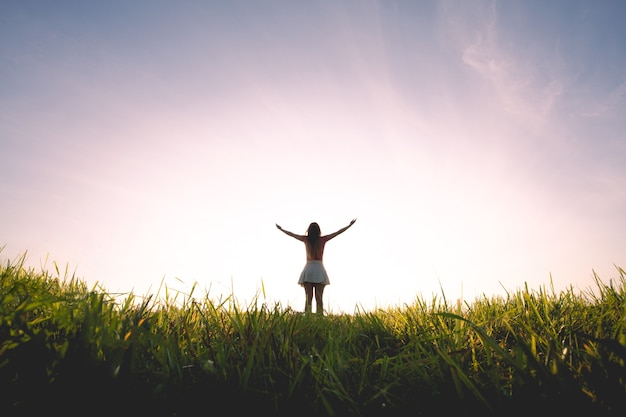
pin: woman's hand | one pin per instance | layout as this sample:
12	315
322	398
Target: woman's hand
278	227
352	222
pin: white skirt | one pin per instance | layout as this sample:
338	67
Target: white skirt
314	272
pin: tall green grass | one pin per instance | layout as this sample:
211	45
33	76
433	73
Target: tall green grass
81	351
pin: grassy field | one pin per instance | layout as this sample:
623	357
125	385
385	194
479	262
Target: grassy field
76	350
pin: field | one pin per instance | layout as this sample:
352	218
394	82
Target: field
66	348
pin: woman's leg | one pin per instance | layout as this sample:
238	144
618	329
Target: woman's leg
319	298
308	290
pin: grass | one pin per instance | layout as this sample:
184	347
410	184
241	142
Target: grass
76	350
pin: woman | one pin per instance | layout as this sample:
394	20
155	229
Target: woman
314	277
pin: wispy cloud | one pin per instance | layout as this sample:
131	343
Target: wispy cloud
523	89
608	105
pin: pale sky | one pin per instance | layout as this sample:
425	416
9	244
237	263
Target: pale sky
481	145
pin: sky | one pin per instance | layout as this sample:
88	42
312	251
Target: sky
481	146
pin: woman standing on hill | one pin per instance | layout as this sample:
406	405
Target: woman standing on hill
314	277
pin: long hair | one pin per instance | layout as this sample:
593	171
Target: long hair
313	234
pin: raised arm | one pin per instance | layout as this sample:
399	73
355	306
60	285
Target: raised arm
293	235
340	231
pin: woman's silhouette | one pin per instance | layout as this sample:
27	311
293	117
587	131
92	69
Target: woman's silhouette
314	277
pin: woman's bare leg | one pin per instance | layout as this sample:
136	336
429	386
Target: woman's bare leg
319	298
308	290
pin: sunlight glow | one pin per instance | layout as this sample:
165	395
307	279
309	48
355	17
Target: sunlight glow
479	146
